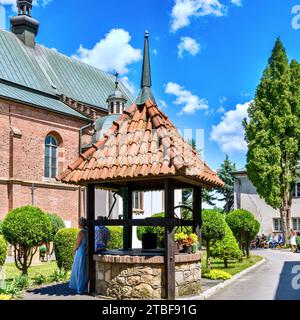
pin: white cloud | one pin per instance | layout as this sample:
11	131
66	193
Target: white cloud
189	45
113	52
190	102
184	10
237	2
129	85
162	104
229	133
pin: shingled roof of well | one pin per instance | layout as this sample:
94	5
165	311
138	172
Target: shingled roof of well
141	143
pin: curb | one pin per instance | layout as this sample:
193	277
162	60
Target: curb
208	293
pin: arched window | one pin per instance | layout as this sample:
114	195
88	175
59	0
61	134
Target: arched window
51	148
118	111
112	111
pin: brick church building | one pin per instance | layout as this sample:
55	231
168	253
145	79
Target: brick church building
48	106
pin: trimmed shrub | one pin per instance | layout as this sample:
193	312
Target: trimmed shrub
213	229
3	250
1	222
116	238
216	274
64	243
57	224
26	228
227	248
244	227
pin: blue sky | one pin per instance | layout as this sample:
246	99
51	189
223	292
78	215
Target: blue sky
207	55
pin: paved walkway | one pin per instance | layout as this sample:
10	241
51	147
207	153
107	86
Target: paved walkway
276	279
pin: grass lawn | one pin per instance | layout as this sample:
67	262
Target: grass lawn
46	269
234	266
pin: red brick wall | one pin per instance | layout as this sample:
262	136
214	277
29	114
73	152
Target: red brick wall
27	158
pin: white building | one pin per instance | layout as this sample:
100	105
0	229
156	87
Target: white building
246	197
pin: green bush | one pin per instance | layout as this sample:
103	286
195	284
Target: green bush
64	243
244	227
57	224
39	279
3	250
60	275
116	238
26	228
213	229
216	274
1	222
227	248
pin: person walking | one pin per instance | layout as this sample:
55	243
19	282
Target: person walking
293	242
79	275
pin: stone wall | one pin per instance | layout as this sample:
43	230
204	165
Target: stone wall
140	277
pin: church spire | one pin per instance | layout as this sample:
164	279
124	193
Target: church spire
145	92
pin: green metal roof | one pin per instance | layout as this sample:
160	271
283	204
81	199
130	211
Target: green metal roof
37	100
51	72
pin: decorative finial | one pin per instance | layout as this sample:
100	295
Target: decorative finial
146	34
116	74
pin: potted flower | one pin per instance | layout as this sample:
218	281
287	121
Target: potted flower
190	244
149	240
179	239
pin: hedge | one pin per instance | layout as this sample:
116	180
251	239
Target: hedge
3	250
116	238
64	242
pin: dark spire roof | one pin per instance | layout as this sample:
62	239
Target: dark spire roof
145	92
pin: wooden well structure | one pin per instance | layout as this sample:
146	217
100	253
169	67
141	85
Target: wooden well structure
142	151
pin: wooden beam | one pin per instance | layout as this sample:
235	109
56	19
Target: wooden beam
169	242
149	222
127	216
91	239
197	213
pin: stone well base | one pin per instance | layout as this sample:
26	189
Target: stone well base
142	277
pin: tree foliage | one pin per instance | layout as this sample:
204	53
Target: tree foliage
64	242
3	250
273	133
26	228
57	224
227	192
213	229
227	248
244	227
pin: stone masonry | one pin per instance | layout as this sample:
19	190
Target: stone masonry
141	277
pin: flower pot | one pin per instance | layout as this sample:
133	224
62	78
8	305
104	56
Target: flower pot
149	241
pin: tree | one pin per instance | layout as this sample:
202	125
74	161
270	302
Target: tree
26	229
3	251
226	248
244	227
273	133
213	229
227	192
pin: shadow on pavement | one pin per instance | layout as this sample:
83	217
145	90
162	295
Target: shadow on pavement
56	290
289	282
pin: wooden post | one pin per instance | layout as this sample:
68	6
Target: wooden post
127	215
169	242
91	239
197	213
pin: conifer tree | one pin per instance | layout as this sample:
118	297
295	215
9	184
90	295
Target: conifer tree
273	133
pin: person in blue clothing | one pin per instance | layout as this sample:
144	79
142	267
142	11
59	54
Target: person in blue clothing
79	276
102	237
